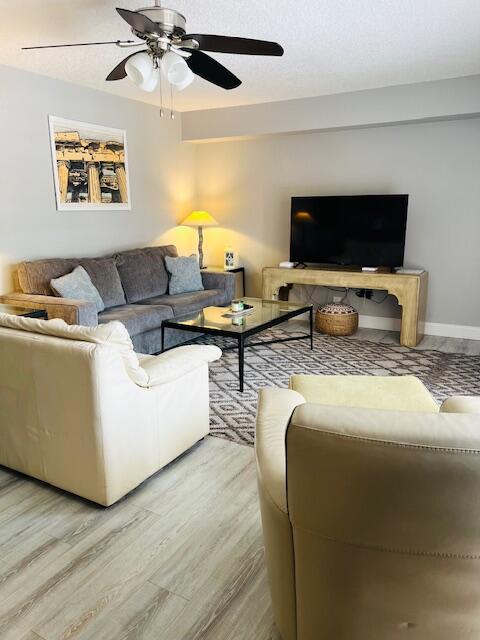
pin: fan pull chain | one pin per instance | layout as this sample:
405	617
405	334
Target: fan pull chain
172	114
161	91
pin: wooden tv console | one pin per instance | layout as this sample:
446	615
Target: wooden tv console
410	291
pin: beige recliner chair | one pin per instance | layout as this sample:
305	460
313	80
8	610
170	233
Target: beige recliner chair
81	410
370	501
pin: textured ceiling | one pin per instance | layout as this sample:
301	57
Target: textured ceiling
330	45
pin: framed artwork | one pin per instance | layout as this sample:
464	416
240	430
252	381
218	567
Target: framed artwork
90	166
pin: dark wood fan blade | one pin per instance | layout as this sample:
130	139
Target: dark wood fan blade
211	70
119	72
138	21
227	44
79	44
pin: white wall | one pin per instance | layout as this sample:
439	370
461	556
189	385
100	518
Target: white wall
248	185
162	177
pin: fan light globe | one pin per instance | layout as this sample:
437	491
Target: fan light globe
176	70
140	70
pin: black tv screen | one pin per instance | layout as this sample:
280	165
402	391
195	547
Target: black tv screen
357	231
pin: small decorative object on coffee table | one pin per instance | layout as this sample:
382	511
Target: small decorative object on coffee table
336	319
263	314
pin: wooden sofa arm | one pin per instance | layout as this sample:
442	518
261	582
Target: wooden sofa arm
82	312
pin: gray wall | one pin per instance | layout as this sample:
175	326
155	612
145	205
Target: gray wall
248	185
422	101
161	174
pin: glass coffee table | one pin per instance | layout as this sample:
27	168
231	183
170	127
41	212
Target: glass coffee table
266	314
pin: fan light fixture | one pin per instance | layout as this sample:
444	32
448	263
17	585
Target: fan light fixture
176	70
141	71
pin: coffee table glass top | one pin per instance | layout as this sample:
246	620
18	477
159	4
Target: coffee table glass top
264	312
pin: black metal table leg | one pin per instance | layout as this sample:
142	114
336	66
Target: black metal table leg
311	328
241	354
163	337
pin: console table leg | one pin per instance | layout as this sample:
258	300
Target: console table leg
409	331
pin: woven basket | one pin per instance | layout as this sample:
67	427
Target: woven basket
336	320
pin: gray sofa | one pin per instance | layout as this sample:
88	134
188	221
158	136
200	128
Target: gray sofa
134	288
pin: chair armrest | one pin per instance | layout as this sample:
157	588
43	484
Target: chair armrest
461	404
176	363
80	312
220	280
275	408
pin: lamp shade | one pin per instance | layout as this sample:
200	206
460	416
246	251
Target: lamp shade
199	219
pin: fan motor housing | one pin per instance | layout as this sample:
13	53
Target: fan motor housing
171	22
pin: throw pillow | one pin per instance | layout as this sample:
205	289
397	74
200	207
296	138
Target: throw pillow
78	286
184	273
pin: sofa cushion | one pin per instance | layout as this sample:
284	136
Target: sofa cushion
185	303
394	393
34	277
104	275
137	318
77	285
143	273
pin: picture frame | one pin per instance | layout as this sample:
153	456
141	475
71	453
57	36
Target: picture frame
90	166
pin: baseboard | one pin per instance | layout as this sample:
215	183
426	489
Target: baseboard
379	322
431	328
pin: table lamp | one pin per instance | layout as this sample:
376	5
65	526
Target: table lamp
199	219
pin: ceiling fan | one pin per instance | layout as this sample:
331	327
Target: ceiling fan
173	53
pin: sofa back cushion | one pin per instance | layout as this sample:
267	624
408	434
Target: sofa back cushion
34	277
106	279
143	273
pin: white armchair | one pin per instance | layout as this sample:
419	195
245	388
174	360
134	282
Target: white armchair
81	411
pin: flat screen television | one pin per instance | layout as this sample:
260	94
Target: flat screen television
357	231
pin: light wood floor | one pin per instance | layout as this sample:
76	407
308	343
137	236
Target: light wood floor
180	558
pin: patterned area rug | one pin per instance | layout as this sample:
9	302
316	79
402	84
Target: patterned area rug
233	413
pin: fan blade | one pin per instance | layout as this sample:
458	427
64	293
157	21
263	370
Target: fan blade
138	21
119	72
80	44
227	44
211	70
